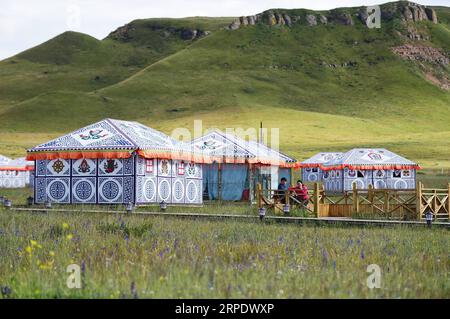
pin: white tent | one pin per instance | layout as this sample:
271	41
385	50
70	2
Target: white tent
15	173
239	165
311	171
112	162
378	167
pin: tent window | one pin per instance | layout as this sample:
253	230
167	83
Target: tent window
360	174
314	170
149	166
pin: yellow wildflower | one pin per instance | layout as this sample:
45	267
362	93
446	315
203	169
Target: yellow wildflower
51	253
33	243
65	226
69	237
29	249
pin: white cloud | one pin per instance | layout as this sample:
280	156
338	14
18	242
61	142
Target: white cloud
26	23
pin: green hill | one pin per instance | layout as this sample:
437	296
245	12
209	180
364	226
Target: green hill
327	86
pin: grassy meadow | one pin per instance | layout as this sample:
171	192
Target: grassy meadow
154	257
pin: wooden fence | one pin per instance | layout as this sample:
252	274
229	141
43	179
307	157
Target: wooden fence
384	203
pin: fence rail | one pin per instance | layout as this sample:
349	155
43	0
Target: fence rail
386	203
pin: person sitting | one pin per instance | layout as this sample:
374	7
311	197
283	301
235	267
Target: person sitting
281	191
301	193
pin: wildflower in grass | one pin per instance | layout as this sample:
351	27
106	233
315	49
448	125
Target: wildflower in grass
47	265
29	250
362	254
65	226
69	237
52	253
35	244
334	264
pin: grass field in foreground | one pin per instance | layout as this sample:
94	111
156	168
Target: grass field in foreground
141	257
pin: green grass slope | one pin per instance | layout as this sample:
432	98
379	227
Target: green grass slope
77	62
329	87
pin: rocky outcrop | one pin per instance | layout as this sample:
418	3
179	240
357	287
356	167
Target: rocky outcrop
343	18
413	12
422	54
323	19
126	33
431	15
311	20
406	11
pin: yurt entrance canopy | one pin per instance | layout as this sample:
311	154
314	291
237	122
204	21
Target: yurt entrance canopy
115	161
311	171
239	165
14	173
378	167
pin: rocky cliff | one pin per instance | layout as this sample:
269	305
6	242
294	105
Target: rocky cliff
405	11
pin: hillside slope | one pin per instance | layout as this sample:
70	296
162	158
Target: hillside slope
330	85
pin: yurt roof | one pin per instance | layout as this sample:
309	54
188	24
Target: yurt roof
111	138
319	158
228	148
366	158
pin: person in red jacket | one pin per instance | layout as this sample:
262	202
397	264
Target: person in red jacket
301	192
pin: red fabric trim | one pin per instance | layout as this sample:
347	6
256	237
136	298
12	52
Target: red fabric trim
185	156
370	167
313	165
21	169
77	155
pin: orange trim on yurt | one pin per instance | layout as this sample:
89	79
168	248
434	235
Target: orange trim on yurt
77	155
20	169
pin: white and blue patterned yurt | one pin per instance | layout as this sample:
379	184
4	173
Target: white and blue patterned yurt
115	162
239	165
15	173
378	167
311	171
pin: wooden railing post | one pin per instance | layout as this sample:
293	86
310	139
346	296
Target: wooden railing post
316	200
370	197
355	198
419	200
286	197
448	201
386	202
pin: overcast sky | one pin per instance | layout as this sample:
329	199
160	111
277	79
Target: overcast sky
26	23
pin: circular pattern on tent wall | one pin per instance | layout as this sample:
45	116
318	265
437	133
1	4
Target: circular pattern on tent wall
178	190
191	191
400	184
312	177
110	190
83	190
57	190
359	184
164	190
380	184
150	190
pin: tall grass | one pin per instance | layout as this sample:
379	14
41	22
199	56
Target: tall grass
153	257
